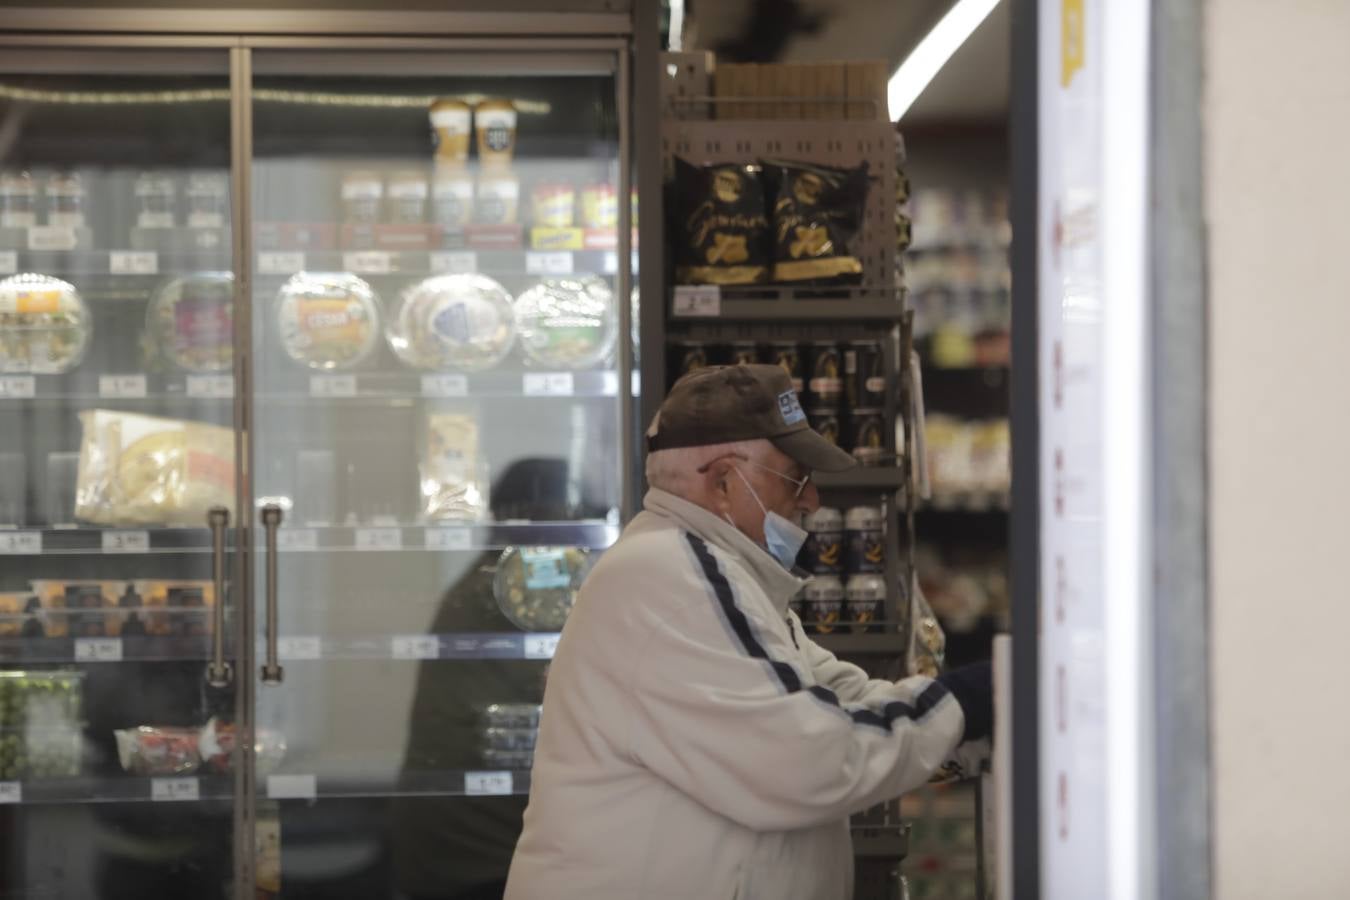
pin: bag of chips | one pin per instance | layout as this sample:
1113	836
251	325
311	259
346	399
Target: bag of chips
817	211
722	227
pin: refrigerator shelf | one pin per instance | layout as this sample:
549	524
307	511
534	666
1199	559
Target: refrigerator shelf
848	644
881	478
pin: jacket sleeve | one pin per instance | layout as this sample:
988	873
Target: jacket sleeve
849	682
720	711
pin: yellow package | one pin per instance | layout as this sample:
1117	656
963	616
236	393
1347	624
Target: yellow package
144	470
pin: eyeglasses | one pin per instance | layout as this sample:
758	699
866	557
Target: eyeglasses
800	483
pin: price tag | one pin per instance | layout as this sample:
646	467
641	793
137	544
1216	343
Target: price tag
379	539
121	387
18	387
445	386
609	384
297	539
98	649
51	238
610	265
332	385
21	543
126	542
449	538
698	300
133	262
487	784
548	384
292	787
9	262
11	792
541	646
215	386
557	262
174	790
416	646
368	262
274	263
454	263
300	647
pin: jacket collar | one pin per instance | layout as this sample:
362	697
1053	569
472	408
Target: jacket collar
777	583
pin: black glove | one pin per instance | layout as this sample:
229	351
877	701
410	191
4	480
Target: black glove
973	688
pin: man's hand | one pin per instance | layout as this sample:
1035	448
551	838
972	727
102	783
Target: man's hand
973	688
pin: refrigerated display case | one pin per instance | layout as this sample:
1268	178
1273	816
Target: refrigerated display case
305	447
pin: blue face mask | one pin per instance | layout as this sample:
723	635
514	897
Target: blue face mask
782	538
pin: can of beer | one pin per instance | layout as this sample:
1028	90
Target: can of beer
864	596
864	537
825	421
744	353
864	375
866	436
689	356
825	371
825	542
824	599
788	357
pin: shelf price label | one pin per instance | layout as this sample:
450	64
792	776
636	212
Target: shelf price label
300	647
297	539
332	385
121	387
9	262
549	384
488	784
11	792
456	262
553	262
18	387
292	787
98	649
133	262
541	646
702	300
51	238
174	790
212	386
368	262
445	386
449	538
20	543
415	646
126	542
284	263
379	539
610	263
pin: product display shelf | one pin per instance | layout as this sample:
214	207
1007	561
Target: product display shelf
127	263
84	387
407	384
119	789
271	264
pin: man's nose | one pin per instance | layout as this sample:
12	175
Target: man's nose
809	501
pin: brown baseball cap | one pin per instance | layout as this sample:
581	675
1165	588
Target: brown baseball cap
722	404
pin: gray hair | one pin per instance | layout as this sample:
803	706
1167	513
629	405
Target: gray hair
676	471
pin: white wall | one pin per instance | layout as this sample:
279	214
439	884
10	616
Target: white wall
1277	121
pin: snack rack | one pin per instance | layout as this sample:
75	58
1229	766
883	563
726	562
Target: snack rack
695	127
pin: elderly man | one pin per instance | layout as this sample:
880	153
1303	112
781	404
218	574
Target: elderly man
695	743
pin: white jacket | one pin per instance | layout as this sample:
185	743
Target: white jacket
695	744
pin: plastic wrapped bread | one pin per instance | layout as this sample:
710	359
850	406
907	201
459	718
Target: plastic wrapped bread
451	484
144	470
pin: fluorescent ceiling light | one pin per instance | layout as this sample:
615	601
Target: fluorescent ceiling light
932	54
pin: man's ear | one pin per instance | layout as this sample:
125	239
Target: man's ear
719	480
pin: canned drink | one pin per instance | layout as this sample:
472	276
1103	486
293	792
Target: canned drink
788	357
824	599
692	355
864	375
864	596
825	542
864	535
866	436
744	353
825	370
825	421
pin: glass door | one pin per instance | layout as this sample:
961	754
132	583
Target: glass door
117	473
438	443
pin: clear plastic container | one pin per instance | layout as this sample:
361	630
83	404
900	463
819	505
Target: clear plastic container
44	325
17	200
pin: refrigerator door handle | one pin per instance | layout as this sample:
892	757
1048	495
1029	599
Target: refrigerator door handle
219	673
272	672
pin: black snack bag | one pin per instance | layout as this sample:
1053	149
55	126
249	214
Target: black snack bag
722	231
817	213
